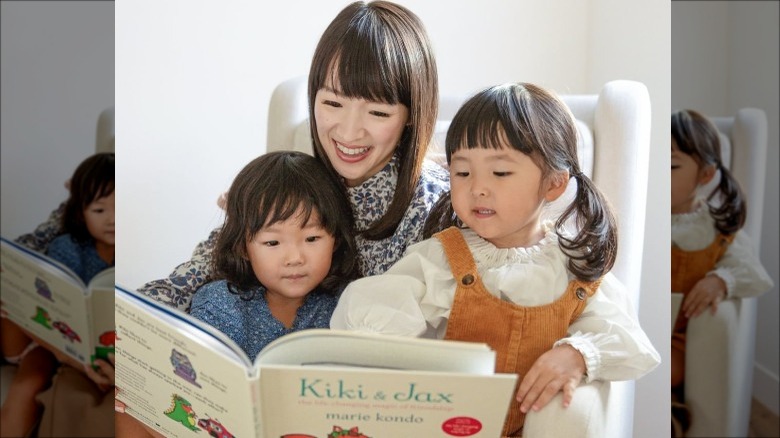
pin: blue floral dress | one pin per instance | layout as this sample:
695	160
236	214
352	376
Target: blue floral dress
247	320
81	258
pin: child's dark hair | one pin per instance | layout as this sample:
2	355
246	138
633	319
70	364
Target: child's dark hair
270	189
537	123
697	136
379	51
93	179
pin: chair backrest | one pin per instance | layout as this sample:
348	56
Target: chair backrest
614	130
104	138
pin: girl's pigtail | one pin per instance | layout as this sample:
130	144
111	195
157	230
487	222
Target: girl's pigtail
731	212
441	216
593	249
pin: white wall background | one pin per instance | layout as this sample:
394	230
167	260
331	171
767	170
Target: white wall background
725	57
193	82
57	71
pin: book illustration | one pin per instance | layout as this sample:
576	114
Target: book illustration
352	432
108	339
337	432
214	428
181	411
66	331
43	289
106	343
182	367
42	317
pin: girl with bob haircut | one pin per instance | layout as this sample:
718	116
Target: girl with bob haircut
283	255
712	259
539	294
87	248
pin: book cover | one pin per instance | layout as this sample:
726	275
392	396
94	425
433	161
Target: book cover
50	301
183	378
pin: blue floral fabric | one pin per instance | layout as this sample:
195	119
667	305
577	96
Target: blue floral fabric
45	233
249	322
369	201
82	258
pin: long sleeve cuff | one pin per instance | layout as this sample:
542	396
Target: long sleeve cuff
588	351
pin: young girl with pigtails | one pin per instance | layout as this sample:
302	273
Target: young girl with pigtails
712	259
539	293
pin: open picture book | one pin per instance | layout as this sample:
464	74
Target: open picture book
184	378
50	301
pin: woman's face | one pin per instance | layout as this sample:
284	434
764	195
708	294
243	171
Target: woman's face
358	136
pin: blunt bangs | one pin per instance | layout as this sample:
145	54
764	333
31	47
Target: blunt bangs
489	120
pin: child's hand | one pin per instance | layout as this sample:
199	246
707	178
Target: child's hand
709	291
559	369
119	407
104	376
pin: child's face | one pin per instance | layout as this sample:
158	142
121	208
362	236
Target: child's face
291	258
99	217
358	136
497	193
687	175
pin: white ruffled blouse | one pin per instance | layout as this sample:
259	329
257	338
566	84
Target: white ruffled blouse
739	267
414	297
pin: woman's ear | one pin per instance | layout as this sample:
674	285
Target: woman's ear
556	185
706	174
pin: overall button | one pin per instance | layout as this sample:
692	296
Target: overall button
581	293
467	279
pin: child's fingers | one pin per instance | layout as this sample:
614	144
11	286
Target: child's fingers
537	394
106	370
95	376
568	392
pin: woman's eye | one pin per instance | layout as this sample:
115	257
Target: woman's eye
379	114
271	243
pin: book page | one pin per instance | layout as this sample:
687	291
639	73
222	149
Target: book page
313	402
374	350
44	299
175	381
101	298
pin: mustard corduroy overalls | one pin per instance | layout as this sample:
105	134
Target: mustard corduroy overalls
518	334
688	267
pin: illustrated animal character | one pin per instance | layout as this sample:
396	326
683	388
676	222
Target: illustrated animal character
42	317
43	289
214	428
66	331
181	411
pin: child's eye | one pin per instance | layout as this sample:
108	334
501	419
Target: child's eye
271	243
97	210
379	113
499	174
462	174
675	167
313	238
332	103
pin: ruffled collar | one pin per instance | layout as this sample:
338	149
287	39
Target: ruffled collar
371	199
488	255
701	211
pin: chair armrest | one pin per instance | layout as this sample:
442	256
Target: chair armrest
585	417
718	369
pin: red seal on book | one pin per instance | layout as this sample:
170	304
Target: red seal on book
461	426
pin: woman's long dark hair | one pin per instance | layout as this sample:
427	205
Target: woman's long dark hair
379	51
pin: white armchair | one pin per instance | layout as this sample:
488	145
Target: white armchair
614	127
720	348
